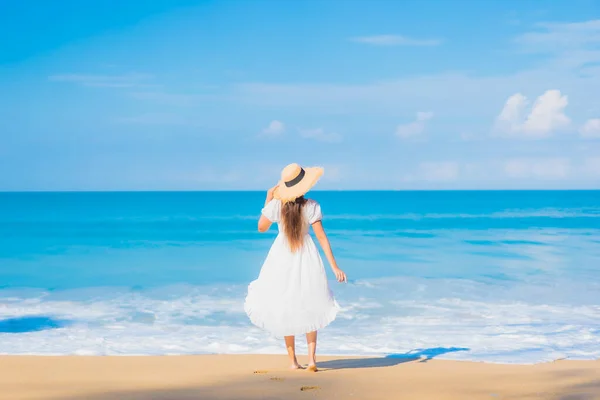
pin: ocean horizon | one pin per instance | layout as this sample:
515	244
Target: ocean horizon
312	190
486	275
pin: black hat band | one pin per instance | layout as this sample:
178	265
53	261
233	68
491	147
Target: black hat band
297	179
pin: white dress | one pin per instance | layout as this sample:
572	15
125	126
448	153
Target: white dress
291	295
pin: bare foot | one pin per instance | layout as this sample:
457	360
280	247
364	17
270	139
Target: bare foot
296	366
312	368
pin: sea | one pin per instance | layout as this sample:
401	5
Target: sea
492	276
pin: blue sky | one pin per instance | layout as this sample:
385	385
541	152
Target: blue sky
211	95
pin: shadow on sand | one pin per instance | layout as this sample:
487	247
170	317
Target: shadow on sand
30	324
421	355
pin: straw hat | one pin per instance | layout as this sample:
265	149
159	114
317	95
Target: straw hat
296	181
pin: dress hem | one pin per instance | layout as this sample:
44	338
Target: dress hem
320	323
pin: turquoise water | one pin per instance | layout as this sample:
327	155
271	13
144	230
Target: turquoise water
508	276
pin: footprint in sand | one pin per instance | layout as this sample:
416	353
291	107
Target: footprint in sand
305	388
261	371
278	379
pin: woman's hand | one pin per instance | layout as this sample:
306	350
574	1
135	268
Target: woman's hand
271	193
340	275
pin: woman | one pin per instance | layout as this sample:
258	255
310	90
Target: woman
291	295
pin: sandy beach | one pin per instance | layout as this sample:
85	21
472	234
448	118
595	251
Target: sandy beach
265	377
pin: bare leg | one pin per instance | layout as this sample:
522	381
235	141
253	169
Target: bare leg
290	345
311	341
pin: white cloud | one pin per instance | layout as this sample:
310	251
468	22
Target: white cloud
155	119
552	37
320	135
591	129
546	115
574	45
171	99
591	166
416	127
464	95
115	81
275	128
395	40
333	173
468	136
437	171
511	116
538	168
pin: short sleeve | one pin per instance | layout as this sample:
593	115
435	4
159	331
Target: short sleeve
272	211
314	212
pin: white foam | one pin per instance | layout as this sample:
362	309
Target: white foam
517	324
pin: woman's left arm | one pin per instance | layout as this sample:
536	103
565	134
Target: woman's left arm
264	224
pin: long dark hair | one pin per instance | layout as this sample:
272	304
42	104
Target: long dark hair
293	222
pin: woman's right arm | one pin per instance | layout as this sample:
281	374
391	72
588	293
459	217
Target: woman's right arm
324	242
264	223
